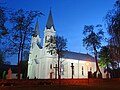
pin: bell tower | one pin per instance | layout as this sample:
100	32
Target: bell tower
36	40
49	35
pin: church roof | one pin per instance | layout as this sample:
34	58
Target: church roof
36	31
77	56
50	21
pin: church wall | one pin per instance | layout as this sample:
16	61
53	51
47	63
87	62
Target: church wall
33	63
78	71
46	69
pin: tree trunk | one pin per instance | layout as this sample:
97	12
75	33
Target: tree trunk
58	66
19	53
97	67
22	46
19	63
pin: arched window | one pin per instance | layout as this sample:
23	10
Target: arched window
62	69
45	39
50	66
82	70
51	39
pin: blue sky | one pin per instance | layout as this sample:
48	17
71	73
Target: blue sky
69	16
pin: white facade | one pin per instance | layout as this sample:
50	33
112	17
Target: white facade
42	64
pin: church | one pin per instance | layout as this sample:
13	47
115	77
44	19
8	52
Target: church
43	65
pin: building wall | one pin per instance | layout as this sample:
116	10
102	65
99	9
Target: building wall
78	65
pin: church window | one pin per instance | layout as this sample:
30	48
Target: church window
54	39
32	45
50	66
51	52
51	39
82	70
62	69
45	39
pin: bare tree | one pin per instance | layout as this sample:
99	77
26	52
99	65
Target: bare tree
19	35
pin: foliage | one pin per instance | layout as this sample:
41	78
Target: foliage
3	19
18	39
2	57
113	23
3	32
92	40
51	45
104	56
57	45
19	35
61	44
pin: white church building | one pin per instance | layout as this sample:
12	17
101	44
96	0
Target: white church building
43	65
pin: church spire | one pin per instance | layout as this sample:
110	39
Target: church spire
36	31
50	21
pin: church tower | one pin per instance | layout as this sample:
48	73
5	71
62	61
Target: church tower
49	48
49	35
34	53
36	40
42	60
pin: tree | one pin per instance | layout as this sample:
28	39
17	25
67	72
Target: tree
61	43
104	56
113	25
19	35
3	19
57	45
2	57
92	41
105	60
